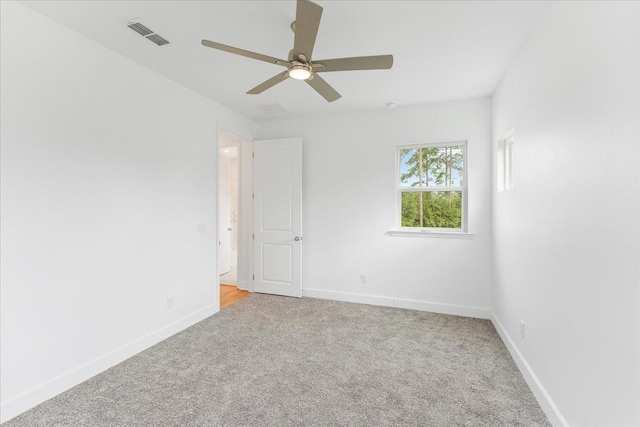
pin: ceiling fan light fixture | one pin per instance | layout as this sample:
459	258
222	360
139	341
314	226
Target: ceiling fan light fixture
298	64
300	72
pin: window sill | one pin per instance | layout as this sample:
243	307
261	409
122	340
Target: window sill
436	234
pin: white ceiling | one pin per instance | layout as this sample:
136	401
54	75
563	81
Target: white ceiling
442	50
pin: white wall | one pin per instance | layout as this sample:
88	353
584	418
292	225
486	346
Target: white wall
349	203
567	238
107	170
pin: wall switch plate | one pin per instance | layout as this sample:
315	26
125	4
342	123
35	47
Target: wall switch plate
522	329
202	228
363	279
171	303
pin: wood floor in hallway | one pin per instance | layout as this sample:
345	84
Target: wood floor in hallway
230	294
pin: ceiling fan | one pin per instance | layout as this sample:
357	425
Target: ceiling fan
299	65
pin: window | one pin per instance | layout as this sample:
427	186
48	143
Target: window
509	182
432	186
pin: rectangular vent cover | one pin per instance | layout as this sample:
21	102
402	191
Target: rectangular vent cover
147	33
271	109
140	29
157	39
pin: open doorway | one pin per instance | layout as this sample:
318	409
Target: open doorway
229	219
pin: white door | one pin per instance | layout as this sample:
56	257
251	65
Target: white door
277	186
224	227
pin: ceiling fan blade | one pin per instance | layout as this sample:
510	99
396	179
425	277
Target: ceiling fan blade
323	88
308	16
246	53
378	62
269	83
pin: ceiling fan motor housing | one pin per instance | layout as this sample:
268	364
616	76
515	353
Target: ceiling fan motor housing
300	70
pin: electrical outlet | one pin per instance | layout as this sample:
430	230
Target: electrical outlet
171	303
202	228
363	279
522	329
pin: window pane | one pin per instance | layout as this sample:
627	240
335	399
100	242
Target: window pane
432	166
440	209
409	170
447	166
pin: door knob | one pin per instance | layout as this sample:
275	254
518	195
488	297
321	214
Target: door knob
229	229
297	238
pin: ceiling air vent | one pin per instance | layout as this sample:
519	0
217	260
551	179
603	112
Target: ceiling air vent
146	32
140	29
157	39
271	109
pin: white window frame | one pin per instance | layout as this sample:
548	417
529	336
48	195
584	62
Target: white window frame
399	229
509	156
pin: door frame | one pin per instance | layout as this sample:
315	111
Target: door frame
224	252
245	209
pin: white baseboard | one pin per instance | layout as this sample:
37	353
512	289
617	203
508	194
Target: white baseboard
61	383
550	409
435	307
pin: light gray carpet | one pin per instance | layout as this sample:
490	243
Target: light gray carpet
275	361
